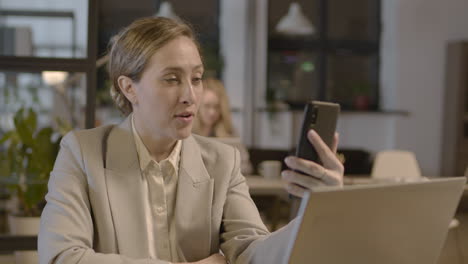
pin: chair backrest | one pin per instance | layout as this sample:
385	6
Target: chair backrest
395	164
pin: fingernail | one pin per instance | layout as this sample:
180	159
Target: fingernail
288	160
284	174
312	133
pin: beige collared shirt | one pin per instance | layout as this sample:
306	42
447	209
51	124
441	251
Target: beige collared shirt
160	180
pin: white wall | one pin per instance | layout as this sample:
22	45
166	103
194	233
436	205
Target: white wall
413	69
233	42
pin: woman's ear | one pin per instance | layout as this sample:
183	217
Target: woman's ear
127	86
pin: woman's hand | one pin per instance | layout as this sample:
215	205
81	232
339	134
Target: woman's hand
331	173
213	259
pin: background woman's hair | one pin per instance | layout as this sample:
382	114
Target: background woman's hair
131	50
224	127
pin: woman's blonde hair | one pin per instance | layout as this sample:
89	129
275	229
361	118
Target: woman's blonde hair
224	127
131	50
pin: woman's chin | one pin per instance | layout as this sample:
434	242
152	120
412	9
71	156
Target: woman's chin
184	133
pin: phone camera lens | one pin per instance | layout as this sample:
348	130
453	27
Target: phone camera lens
314	116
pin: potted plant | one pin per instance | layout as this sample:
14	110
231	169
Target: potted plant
27	157
361	96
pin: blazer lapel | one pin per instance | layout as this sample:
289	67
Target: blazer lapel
124	187
193	204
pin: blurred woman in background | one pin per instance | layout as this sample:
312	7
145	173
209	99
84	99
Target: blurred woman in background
214	115
214	120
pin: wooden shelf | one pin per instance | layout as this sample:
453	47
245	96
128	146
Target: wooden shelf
13	243
35	64
377	112
355	47
38	13
346	112
334	46
278	43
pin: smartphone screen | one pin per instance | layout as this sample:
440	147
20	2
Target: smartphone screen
322	117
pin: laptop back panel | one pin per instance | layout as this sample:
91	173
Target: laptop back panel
401	223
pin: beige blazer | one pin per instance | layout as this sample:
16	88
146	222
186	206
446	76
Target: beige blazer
95	213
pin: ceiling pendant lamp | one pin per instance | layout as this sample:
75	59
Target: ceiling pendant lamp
166	10
295	23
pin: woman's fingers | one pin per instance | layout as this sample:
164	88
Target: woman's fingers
306	166
301	179
336	141
213	259
296	190
331	176
326	155
306	175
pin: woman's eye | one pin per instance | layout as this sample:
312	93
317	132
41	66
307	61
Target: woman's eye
197	80
171	80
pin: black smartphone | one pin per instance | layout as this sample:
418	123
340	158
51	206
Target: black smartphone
322	117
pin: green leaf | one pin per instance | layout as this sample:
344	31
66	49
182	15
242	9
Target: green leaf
25	126
31	120
63	126
45	151
5	167
34	194
6	136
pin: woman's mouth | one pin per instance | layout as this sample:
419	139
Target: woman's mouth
185	117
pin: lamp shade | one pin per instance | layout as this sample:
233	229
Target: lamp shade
165	10
54	77
295	22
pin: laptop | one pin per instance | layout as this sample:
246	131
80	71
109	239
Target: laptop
403	223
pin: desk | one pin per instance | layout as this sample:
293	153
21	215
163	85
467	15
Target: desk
260	186
365	179
7	259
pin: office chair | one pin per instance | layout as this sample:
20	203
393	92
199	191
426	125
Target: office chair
398	165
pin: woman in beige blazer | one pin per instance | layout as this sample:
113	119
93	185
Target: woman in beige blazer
147	191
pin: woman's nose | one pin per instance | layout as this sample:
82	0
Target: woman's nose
188	94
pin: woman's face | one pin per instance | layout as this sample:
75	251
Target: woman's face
210	108
167	95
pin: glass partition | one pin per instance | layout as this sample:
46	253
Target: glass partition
56	97
54	29
352	81
353	20
293	76
335	55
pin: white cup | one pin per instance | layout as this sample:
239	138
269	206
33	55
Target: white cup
270	169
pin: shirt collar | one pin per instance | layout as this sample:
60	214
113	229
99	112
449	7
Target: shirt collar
145	157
